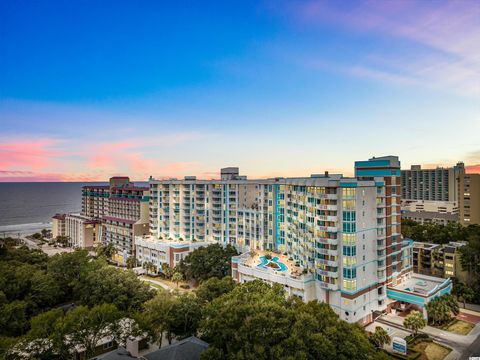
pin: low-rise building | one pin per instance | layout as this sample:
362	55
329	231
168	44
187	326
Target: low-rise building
426	211
161	251
439	260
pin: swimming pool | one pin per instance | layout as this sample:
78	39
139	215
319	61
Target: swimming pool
273	263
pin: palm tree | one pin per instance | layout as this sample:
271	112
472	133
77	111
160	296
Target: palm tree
380	337
441	308
414	321
131	262
149	266
167	270
177	277
106	250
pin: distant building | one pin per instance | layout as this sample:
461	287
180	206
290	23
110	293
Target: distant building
58	225
113	213
439	184
425	211
469	198
82	232
439	260
127	217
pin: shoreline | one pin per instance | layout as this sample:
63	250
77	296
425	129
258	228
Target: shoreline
23	229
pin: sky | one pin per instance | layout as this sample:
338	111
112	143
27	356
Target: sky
93	89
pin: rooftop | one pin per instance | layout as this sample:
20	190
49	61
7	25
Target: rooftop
187	349
421	284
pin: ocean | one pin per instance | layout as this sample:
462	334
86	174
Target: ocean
29	207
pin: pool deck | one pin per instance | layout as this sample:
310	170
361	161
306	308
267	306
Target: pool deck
255	260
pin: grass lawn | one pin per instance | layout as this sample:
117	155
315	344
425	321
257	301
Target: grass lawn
460	327
432	351
156	286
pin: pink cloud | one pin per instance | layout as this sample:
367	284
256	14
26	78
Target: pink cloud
472	169
29	154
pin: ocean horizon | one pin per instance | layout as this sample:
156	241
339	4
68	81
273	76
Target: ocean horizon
29	206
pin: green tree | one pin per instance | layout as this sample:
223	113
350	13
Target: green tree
187	313
106	250
86	327
149	267
212	288
13	318
43	325
440	309
45	291
380	337
157	316
68	268
207	262
256	321
177	277
46	233
167	270
414	321
113	286
131	262
62	240
464	293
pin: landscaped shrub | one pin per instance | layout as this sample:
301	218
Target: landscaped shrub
413	340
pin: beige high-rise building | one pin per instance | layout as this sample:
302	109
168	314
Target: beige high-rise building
469	198
439	184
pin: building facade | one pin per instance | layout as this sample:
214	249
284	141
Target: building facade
82	232
425	211
58	225
127	217
439	260
323	237
438	184
469	198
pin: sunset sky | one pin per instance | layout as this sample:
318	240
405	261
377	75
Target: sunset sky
92	89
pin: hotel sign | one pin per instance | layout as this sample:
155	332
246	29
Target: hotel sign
399	345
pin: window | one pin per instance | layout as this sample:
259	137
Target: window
350	273
349	284
349	250
349	261
349	239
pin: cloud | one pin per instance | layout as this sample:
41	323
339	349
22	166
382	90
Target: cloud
77	159
432	44
29	154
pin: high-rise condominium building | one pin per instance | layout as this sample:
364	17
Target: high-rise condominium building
469	198
323	237
438	184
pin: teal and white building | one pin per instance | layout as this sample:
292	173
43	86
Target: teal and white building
325	237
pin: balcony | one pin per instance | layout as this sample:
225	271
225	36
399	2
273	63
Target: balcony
328	286
327	252
332	274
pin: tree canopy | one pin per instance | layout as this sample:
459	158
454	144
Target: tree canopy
257	321
207	262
